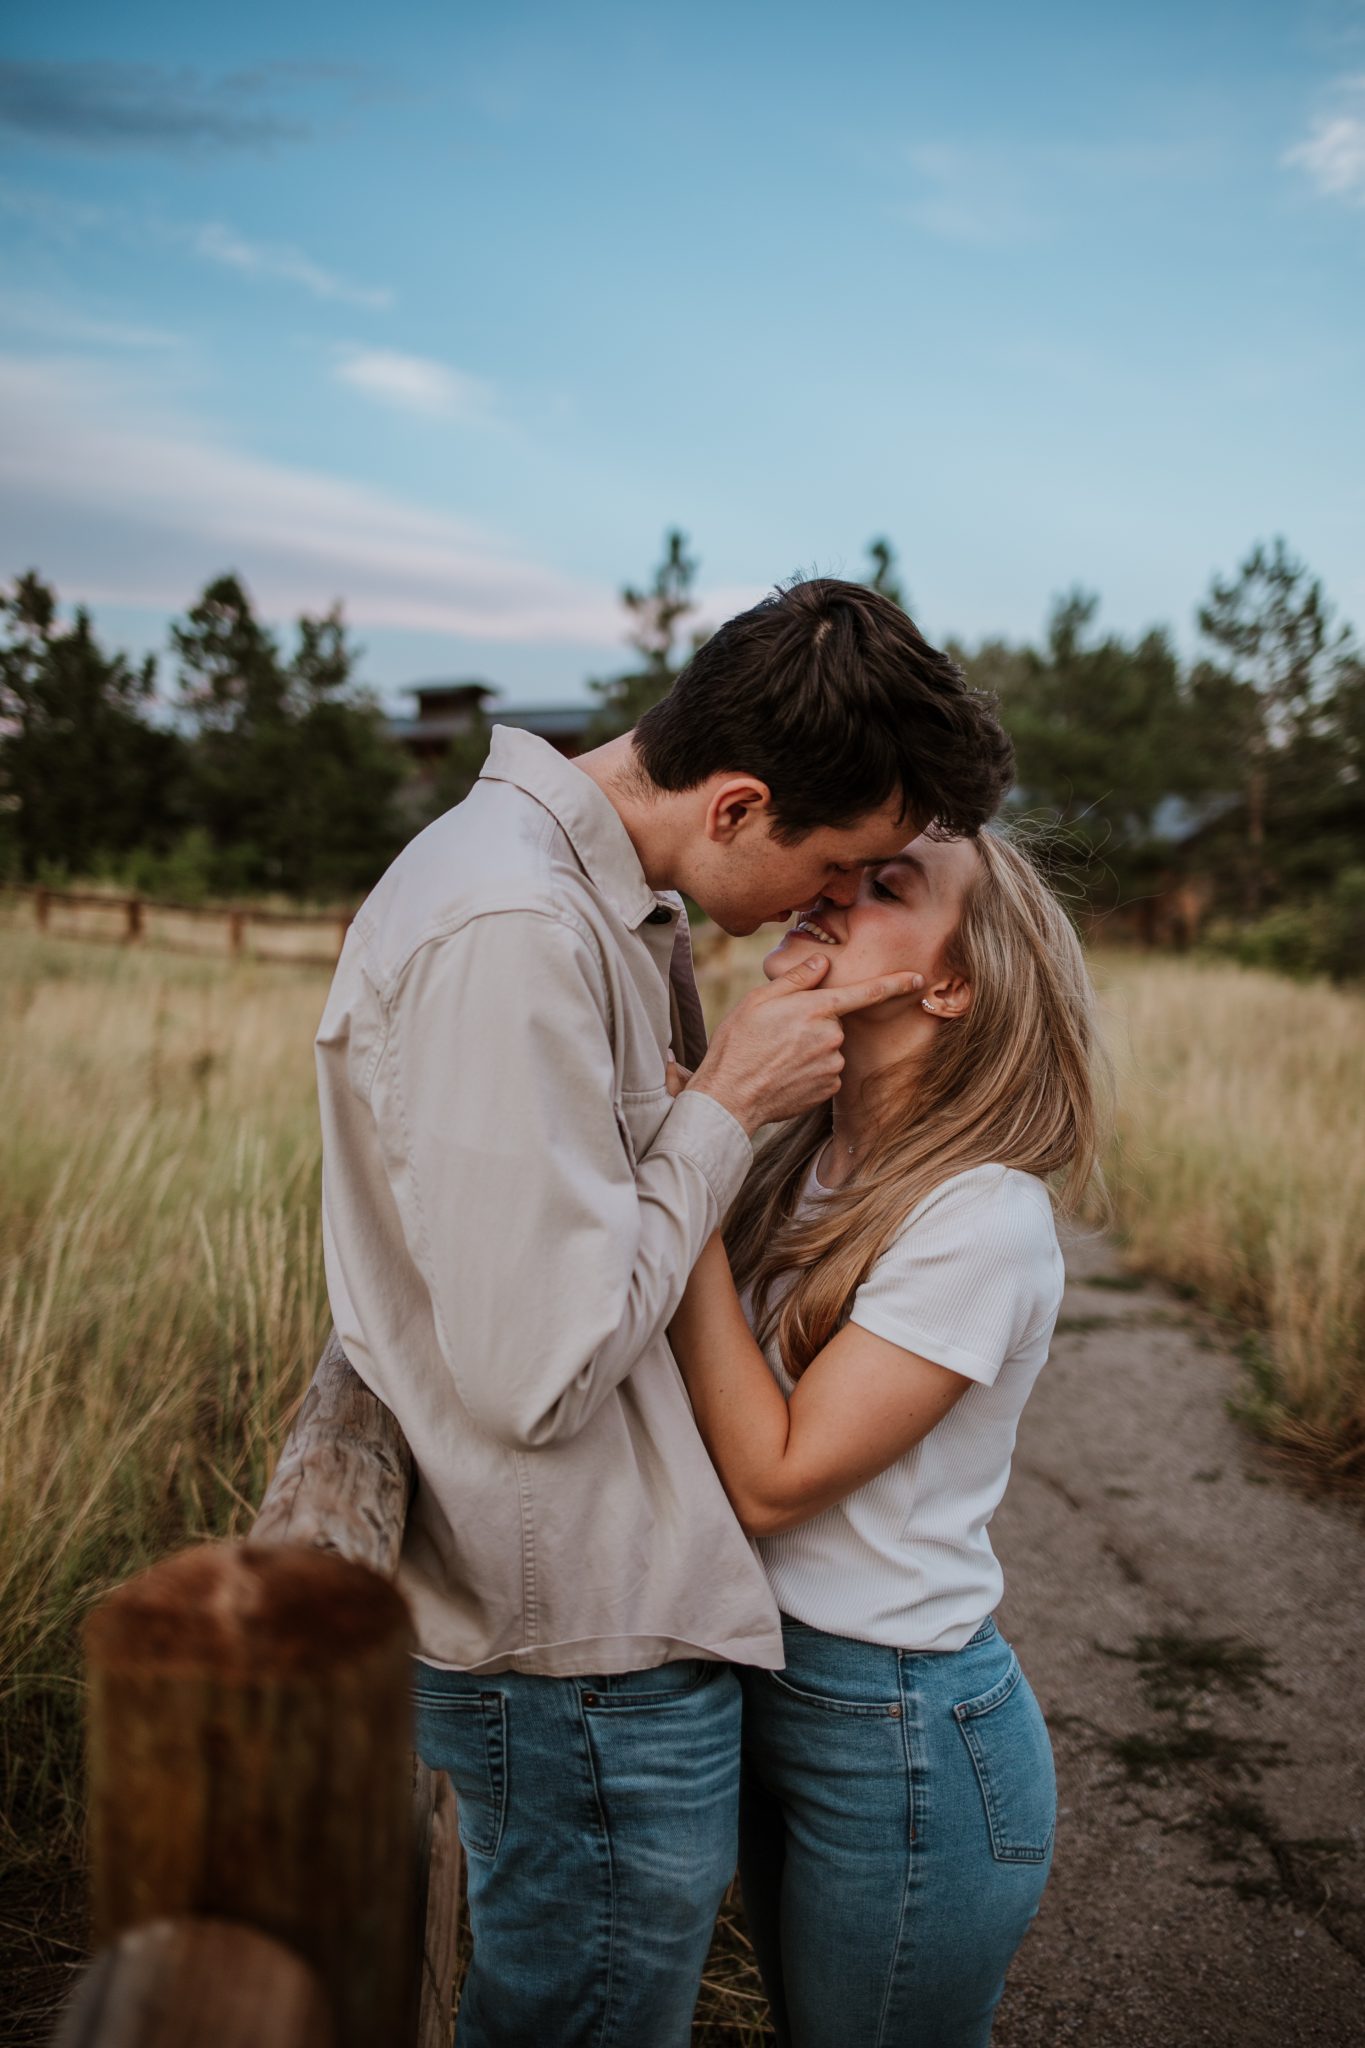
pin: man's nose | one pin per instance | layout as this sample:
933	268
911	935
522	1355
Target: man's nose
842	889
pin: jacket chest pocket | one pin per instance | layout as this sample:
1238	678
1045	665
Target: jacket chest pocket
639	1113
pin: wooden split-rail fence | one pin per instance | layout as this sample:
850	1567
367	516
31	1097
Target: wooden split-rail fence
270	1865
176	927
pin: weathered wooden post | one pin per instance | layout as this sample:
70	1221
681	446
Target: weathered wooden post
236	933
202	1981
42	904
342	1484
133	913
248	1753
248	1736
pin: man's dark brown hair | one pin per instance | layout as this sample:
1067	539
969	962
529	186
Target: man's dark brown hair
832	695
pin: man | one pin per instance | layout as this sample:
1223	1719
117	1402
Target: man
513	1198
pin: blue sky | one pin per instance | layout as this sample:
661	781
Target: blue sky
451	317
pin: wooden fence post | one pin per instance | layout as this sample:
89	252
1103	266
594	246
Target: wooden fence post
42	904
133	912
236	933
248	1760
342	1484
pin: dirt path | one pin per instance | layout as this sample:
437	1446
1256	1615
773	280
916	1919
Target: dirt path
1195	1630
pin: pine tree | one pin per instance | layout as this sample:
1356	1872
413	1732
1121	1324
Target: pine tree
294	773
657	616
85	775
885	576
1281	661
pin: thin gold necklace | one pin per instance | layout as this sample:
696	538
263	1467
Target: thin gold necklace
849	1145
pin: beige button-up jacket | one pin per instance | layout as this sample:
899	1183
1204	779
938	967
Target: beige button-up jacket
511	1205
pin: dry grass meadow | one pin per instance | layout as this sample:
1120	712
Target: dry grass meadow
1238	1174
162	1303
160	1299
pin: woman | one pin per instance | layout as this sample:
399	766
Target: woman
898	1263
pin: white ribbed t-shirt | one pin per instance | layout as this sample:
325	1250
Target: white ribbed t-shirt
973	1281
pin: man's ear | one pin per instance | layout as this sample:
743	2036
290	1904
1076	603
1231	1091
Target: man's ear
950	996
731	801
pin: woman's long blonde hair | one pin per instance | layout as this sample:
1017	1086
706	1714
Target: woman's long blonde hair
1012	1082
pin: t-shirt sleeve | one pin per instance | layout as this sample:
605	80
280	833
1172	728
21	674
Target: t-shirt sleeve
972	1273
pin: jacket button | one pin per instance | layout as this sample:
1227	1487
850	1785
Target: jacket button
590	1699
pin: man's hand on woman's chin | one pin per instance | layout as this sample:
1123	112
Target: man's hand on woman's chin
780	1051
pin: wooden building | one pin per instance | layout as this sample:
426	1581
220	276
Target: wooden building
447	711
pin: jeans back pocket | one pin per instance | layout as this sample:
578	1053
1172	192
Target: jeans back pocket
659	1686
466	1736
1007	1739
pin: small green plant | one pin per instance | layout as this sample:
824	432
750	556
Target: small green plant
1158	1758
1322	937
1173	1670
1259	1404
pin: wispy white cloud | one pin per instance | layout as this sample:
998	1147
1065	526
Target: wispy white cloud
413	383
50	215
222	245
34	313
50	218
961	196
982	195
121	501
1333	151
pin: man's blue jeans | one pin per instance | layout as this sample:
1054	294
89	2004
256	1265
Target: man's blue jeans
599	1821
895	1838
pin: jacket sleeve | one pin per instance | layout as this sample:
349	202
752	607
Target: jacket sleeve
551	1260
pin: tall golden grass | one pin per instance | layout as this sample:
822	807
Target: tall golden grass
1239	1173
161	1292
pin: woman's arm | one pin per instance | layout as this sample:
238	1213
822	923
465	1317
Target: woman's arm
861	1403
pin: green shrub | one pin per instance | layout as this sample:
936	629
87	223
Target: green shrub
1326	937
1344	955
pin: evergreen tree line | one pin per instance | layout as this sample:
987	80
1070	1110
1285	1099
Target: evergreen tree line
1224	793
275	771
1231	784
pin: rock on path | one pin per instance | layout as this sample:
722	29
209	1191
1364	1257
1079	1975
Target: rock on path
1194	1627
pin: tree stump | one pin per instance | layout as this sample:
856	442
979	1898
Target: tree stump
248	1760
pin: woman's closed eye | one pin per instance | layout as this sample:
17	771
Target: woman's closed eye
880	889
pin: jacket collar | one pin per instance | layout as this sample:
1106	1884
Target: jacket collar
585	816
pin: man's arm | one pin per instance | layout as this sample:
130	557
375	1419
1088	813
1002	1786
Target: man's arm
551	1262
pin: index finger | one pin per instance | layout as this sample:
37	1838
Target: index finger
861	995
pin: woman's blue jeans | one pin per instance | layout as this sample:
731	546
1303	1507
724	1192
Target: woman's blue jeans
598	1817
896	1823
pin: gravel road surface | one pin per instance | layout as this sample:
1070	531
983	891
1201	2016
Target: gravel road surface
1193	1622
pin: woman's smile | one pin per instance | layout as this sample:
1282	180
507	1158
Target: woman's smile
903	914
809	925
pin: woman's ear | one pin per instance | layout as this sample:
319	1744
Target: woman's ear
949	997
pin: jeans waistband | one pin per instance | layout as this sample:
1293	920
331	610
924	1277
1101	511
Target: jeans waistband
987	1629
